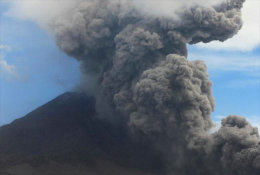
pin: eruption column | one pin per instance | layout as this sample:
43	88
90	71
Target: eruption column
138	67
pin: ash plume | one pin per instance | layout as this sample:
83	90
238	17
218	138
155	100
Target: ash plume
138	65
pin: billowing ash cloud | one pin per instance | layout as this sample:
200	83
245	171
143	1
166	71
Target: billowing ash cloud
137	61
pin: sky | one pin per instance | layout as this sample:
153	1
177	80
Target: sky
33	70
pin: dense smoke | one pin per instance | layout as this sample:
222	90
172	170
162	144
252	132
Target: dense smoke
137	63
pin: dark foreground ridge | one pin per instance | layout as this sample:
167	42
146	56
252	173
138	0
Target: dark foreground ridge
65	136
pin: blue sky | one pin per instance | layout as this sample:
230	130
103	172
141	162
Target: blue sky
40	72
33	70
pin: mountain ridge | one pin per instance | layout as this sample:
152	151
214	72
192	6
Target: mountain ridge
68	131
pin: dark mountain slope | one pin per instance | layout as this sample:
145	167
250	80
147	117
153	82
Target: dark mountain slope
67	133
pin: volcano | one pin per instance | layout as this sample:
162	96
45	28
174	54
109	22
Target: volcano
67	136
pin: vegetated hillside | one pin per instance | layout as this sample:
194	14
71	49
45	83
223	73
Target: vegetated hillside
66	136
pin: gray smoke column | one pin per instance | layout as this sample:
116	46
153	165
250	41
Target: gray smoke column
138	65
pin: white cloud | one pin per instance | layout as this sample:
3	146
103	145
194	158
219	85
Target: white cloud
248	37
43	11
7	71
215	128
4	48
244	83
254	121
230	62
219	117
39	11
169	7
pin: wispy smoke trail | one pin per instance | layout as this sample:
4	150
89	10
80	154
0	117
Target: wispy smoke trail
137	61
